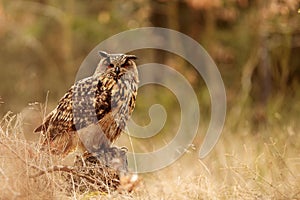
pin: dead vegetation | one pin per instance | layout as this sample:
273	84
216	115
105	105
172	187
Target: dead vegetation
243	166
26	172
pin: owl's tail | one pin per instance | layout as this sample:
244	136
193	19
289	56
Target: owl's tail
62	144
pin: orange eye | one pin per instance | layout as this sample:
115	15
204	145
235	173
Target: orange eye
125	64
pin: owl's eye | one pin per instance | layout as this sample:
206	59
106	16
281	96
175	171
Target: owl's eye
111	65
126	64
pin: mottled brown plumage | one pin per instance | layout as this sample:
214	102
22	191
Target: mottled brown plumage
94	111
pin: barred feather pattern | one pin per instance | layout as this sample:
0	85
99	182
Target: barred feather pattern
106	100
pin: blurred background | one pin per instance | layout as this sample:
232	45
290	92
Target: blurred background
255	44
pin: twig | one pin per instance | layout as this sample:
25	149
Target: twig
53	169
62	168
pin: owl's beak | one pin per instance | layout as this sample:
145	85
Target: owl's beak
117	70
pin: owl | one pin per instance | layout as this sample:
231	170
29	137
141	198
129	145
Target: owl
94	111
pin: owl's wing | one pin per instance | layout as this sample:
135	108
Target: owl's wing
86	102
61	117
43	127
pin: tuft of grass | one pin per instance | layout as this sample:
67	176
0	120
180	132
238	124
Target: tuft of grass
18	159
242	166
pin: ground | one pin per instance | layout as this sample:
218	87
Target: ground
243	165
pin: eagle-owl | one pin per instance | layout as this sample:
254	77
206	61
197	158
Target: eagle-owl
94	111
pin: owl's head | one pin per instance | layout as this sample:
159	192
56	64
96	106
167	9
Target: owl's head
116	64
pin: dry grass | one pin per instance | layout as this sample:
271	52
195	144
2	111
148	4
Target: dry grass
18	160
242	166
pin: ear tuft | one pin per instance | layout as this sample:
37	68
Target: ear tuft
131	57
103	54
